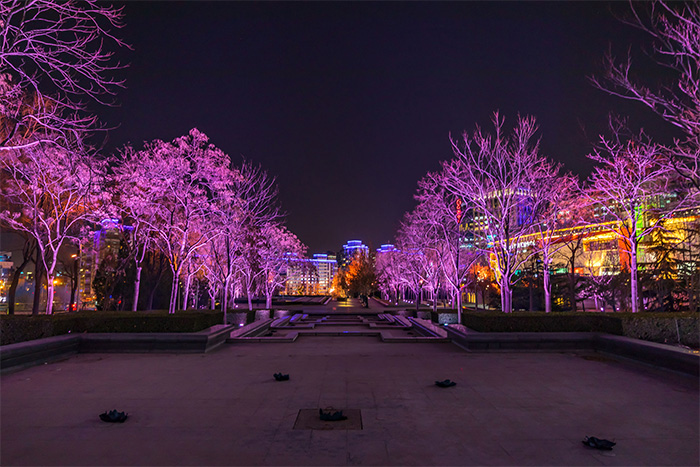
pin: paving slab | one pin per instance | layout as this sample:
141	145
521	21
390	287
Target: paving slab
224	408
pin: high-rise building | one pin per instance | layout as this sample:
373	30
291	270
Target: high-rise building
311	276
386	248
351	248
327	266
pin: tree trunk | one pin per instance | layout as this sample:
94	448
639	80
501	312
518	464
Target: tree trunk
268	302
224	297
634	276
186	294
49	293
506	296
547	284
572	291
38	276
250	299
174	293
13	285
459	305
137	286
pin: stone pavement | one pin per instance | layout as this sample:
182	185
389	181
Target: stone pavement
224	408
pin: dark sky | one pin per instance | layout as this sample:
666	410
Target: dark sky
349	104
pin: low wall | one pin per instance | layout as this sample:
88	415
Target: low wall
19	328
661	355
665	328
36	352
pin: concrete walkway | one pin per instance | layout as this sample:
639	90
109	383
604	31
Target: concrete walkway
224	408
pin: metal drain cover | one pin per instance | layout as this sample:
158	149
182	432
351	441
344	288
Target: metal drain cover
308	419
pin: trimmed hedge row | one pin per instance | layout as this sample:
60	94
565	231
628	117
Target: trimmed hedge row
654	327
20	328
490	321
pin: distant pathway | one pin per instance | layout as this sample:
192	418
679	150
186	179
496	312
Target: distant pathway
352	305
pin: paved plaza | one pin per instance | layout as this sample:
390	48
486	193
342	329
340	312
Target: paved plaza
225	408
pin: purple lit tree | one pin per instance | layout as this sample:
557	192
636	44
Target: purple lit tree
179	183
441	215
554	193
497	176
58	192
278	248
632	186
131	203
54	54
674	28
389	273
420	267
256	195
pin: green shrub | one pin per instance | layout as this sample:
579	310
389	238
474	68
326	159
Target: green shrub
20	328
656	327
496	321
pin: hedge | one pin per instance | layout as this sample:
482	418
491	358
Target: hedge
19	328
655	327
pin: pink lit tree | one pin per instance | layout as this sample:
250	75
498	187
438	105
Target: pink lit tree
278	248
177	185
58	192
131	203
555	193
53	55
421	269
631	186
441	215
256	195
497	176
390	273
674	29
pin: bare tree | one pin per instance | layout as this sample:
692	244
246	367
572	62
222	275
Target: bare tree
632	186
674	28
278	248
54	54
178	183
390	271
256	195
497	177
554	192
131	203
58	191
441	215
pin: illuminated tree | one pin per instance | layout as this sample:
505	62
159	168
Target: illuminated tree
176	186
555	194
497	177
254	193
674	28
58	192
440	215
279	247
419	239
389	273
360	274
339	285
631	186
53	55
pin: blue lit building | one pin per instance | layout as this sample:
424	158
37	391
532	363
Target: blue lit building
352	247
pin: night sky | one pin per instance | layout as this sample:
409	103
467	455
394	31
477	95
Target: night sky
349	104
